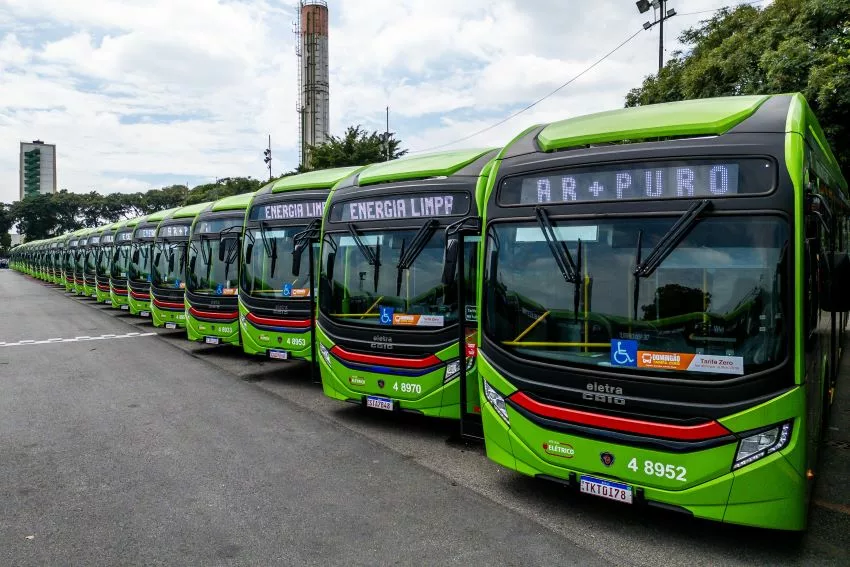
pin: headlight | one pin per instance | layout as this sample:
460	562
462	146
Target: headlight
452	371
760	445
497	401
326	354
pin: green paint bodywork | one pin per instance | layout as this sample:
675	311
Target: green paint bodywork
105	296
117	299
703	117
772	492
419	167
298	344
138	307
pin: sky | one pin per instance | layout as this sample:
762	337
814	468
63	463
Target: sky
139	94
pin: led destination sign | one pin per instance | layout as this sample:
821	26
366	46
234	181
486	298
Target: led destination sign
146	233
666	180
401	207
94	240
107	239
174	231
285	211
124	236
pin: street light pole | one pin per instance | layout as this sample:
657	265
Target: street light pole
661	13
268	157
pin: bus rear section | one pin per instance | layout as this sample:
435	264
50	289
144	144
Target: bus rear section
168	275
212	272
277	282
651	331
120	266
389	330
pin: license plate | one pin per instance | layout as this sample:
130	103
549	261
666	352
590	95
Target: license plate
278	354
125	307
145	313
212	340
606	489
170	325
379	403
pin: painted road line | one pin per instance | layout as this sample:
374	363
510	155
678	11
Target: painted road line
835	507
28	342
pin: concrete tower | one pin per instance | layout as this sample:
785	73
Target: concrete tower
311	47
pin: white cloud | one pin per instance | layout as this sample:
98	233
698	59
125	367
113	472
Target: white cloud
133	90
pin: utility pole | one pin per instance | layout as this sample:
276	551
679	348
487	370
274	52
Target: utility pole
660	13
268	157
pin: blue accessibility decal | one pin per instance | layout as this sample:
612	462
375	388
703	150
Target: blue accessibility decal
624	353
386	317
219	289
287	289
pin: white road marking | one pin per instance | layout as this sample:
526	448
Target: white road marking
28	342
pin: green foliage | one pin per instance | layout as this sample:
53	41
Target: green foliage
43	216
789	46
355	147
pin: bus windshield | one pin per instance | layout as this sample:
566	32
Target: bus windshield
269	272
714	305
91	260
121	263
140	261
104	259
168	267
207	274
366	283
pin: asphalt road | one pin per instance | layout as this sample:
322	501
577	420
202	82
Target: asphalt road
124	450
152	449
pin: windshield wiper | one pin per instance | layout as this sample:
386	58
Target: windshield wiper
417	245
664	247
562	256
373	258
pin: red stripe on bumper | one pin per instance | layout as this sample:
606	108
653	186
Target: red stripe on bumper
702	432
374	360
297	323
213	314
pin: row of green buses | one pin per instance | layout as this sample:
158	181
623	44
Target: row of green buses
643	305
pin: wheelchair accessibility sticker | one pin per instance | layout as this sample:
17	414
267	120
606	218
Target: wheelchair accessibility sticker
624	353
386	315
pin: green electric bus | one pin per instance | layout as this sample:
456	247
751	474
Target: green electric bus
391	324
92	254
122	247
74	269
80	263
212	272
69	253
276	304
661	305
54	271
168	277
103	261
141	263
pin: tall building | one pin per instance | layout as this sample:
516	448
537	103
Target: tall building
37	168
313	104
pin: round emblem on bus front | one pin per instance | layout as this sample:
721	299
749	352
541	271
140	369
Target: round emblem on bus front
380	383
606	458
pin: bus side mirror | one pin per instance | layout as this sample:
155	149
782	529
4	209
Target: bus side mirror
834	296
450	263
297	252
136	256
192	264
171	262
330	267
249	251
157	258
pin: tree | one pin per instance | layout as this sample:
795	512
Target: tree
789	46
355	147
6	222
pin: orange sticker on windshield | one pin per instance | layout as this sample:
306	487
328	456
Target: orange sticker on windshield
664	360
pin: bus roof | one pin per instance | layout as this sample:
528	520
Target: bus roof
700	117
160	215
322	179
132	223
235	202
190	211
438	164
